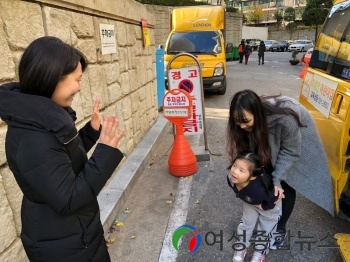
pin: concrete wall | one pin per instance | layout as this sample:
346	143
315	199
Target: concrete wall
295	35
125	81
266	33
251	32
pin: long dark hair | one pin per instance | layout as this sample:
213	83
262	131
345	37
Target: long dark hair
277	108
256	169
45	62
240	140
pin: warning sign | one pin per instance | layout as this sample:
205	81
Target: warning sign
188	79
186	85
177	106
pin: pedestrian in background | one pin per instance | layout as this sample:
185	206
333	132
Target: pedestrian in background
241	51
283	134
261	51
247	52
253	184
48	155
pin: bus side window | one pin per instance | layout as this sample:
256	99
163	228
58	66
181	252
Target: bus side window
341	67
330	54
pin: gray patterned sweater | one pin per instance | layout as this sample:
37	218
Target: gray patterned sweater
298	155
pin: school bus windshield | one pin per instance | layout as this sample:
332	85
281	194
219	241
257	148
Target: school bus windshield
332	50
206	42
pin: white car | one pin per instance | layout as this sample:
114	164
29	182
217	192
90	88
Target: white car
301	45
268	44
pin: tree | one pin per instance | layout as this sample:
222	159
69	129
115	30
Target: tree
315	13
255	14
291	26
244	19
279	18
289	14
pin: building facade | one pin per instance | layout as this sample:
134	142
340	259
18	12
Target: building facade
269	7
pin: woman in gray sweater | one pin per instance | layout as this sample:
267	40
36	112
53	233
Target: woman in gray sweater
283	134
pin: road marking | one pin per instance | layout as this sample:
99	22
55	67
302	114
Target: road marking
177	218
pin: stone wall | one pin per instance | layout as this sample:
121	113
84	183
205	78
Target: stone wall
125	81
162	23
233	29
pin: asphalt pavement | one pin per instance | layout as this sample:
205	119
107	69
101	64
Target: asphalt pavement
159	203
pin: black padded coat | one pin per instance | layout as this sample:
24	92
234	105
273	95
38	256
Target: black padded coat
47	155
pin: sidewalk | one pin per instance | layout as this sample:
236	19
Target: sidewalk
113	196
141	228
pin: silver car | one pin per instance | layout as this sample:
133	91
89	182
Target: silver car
301	45
269	43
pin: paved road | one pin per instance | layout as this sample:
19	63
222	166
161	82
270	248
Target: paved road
160	202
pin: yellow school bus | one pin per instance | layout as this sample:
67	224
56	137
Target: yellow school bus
325	92
198	30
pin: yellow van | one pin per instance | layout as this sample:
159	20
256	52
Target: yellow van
198	30
325	92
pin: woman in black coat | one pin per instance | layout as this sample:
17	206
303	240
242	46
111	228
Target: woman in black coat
48	156
261	51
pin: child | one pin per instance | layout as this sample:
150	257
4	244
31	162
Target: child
254	186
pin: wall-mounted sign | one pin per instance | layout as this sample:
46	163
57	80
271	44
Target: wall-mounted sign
107	34
145	33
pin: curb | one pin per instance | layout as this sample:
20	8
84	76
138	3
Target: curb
113	196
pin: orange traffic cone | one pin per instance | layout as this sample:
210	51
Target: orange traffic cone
182	161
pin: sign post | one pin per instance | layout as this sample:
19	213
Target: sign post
190	80
177	107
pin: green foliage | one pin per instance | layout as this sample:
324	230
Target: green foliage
316	12
291	26
231	9
244	19
171	2
294	54
279	17
255	13
289	14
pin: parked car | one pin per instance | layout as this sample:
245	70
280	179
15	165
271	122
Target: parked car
301	45
285	44
280	46
254	43
268	44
